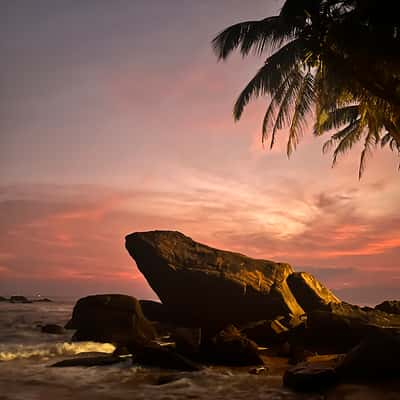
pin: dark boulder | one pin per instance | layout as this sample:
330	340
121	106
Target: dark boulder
309	378
88	361
155	311
230	347
203	286
376	357
187	340
266	333
19	299
154	355
3	298
309	292
44	300
111	318
53	329
389	306
342	326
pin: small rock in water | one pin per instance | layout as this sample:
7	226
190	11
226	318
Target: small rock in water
258	371
309	378
53	329
19	299
3	298
88	361
159	356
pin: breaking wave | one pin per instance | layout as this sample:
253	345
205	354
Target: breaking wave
48	350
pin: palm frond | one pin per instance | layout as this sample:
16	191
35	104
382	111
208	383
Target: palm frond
304	101
271	75
257	35
284	115
328	120
348	140
371	139
281	100
338	136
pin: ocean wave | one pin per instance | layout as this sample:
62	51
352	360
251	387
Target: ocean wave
48	350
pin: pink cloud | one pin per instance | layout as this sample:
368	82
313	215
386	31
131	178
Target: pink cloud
81	239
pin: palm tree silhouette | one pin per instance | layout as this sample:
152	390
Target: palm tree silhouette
335	60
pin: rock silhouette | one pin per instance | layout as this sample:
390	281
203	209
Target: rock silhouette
113	318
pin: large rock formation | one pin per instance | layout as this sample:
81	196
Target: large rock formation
113	318
207	286
310	294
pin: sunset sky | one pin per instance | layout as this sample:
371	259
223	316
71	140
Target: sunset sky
116	117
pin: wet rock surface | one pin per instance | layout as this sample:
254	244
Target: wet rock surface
309	292
88	361
230	347
110	318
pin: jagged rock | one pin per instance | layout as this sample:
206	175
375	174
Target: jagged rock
266	333
389	306
309	378
342	326
309	292
155	355
376	357
19	299
206	286
53	329
88	361
230	347
111	318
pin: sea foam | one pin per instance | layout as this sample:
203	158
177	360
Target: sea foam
44	351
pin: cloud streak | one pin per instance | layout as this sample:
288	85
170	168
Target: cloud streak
77	233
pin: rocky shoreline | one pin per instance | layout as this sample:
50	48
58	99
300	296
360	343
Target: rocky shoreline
220	308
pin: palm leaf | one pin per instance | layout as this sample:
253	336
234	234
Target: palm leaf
271	75
334	119
304	101
276	102
256	35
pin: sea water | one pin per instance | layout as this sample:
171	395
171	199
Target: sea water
26	356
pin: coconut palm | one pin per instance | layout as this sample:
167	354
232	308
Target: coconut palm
315	66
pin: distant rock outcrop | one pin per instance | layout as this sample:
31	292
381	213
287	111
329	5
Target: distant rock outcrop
113	318
309	292
19	299
205	286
